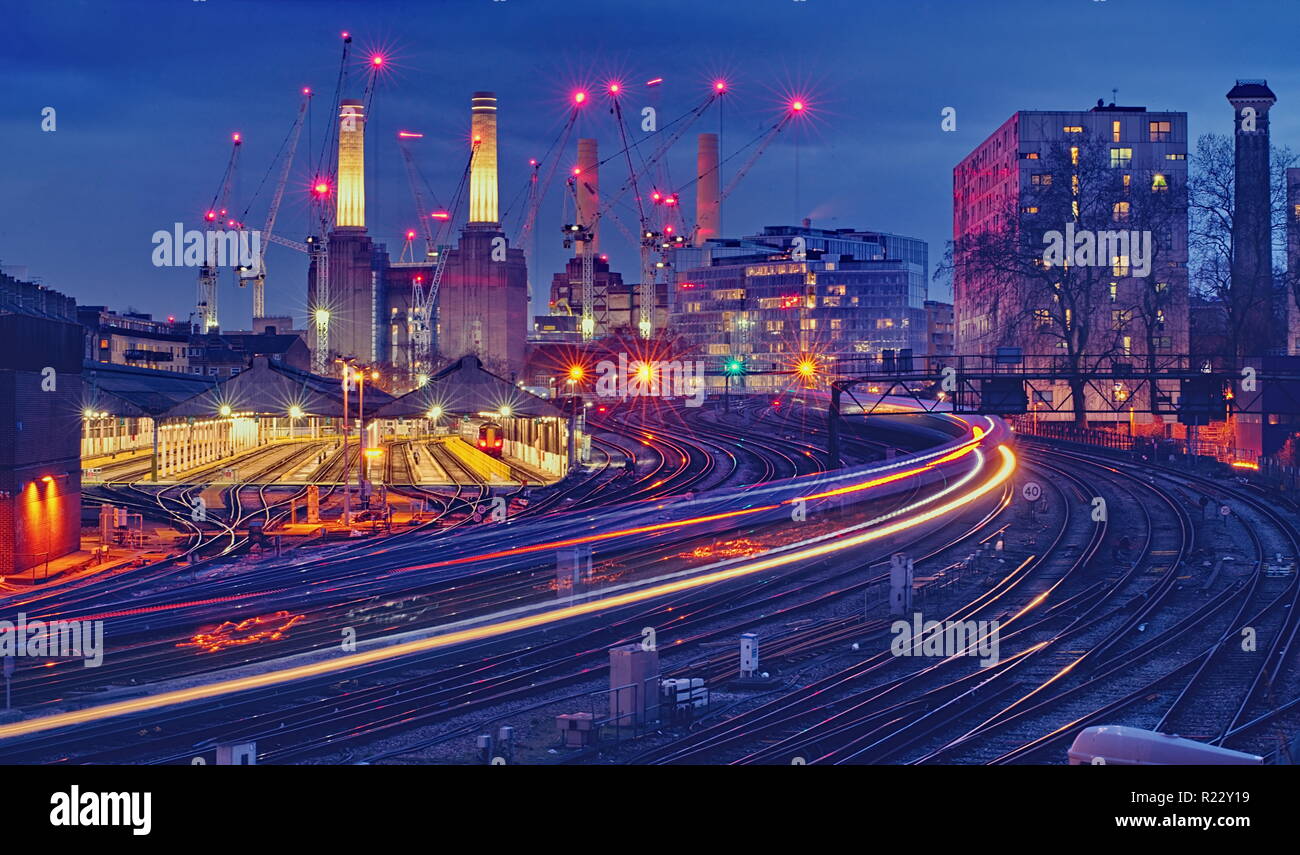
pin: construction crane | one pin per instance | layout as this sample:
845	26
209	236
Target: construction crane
216	213
318	245
648	237
424	296
258	273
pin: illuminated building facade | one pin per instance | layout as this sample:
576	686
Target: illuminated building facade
41	350
1148	149
790	291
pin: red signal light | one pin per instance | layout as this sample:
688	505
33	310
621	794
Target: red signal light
579	97
797	106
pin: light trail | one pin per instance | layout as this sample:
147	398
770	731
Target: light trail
332	666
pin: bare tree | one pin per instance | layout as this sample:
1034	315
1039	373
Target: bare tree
1212	207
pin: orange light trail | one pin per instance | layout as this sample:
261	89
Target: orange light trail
332	666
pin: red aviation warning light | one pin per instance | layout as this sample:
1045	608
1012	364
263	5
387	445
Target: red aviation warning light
579	97
237	137
210	216
797	106
376	60
719	86
321	188
410	234
615	87
440	215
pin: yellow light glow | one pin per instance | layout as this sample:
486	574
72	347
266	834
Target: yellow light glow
322	316
295	412
434	412
505	410
352	161
225	410
483	165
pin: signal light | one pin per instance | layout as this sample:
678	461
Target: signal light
719	86
410	234
211	215
797	106
579	97
614	88
440	215
807	367
376	60
734	366
654	82
321	188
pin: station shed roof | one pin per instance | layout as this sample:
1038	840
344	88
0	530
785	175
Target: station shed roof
466	388
270	388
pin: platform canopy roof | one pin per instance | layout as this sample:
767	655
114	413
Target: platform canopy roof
272	389
466	388
129	392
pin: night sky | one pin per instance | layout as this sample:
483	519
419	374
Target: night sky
148	93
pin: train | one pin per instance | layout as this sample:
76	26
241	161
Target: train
490	439
1112	745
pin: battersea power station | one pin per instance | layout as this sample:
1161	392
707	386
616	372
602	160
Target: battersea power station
470	299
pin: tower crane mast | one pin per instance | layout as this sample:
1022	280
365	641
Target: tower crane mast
259	273
208	272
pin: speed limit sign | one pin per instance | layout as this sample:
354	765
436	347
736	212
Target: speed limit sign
1032	491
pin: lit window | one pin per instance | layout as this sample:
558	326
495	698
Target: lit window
1042	178
1114	292
1074	155
1119	265
1029	155
1121	157
1029	209
1160	131
1121	210
1074	184
1114	131
1073	129
1175	157
1128	181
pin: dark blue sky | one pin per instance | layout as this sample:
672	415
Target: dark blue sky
147	94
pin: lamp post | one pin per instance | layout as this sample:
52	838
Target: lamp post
347	473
